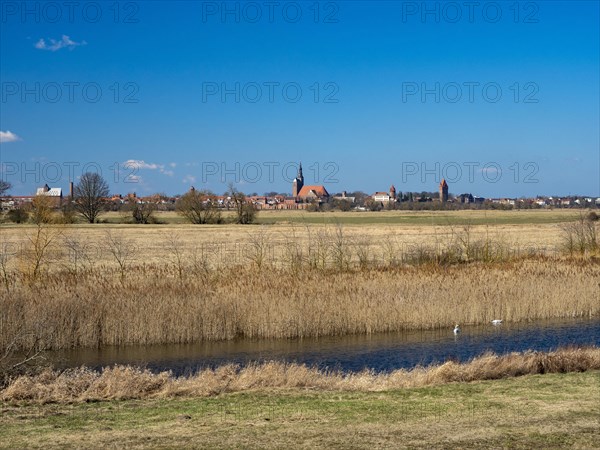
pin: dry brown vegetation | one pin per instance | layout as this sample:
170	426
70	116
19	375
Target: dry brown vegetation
329	283
153	305
122	382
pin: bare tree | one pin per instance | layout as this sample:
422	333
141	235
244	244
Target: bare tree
123	250
4	186
79	254
259	247
580	236
340	249
199	207
90	195
143	213
176	248
245	212
40	250
41	209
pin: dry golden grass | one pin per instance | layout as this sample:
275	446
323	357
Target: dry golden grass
225	245
64	287
153	305
121	382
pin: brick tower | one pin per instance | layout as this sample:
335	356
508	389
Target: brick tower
443	191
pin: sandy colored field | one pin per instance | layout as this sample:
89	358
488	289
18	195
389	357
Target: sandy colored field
94	285
474	217
524	231
535	411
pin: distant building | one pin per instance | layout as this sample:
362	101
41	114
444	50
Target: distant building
466	198
344	196
308	193
55	194
381	197
385	197
298	183
311	193
443	191
50	192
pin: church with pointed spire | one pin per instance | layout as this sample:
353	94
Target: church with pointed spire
303	193
298	183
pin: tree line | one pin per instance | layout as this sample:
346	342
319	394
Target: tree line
90	201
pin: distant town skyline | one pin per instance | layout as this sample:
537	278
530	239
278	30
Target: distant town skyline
365	94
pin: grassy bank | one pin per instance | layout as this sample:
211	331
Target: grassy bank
155	304
535	411
122	382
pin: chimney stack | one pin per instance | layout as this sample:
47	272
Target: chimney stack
71	190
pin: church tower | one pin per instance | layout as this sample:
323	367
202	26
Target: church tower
443	191
392	193
298	183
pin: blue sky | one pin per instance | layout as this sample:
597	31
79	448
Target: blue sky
162	96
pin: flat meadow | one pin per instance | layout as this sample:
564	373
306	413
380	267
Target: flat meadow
120	284
522	230
296	274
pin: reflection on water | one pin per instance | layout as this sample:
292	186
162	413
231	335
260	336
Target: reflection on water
380	352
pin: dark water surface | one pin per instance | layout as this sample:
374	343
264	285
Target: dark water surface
380	352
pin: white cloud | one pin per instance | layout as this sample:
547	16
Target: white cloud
188	179
7	136
173	164
54	45
140	164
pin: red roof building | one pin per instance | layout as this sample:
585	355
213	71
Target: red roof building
314	192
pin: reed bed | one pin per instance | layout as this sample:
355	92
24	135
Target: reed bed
123	382
153	304
55	294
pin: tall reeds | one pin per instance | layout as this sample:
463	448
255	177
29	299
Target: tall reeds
91	294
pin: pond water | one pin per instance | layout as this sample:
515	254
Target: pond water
380	352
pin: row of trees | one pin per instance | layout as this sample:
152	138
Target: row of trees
89	200
201	207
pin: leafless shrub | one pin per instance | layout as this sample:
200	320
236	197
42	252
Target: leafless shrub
580	237
7	253
319	249
199	207
79	253
123	251
143	213
41	209
39	251
258	248
340	249
390	248
176	249
363	251
23	351
293	254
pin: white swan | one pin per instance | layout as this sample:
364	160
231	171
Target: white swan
496	321
456	329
